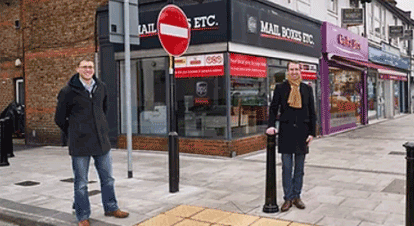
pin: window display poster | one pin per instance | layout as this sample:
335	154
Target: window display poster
199	66
345	97
248	66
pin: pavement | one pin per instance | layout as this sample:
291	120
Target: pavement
353	178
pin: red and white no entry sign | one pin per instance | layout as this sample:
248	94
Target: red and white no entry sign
173	30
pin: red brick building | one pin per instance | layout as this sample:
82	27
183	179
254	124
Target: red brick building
10	51
51	37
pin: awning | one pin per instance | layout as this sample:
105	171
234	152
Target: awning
384	72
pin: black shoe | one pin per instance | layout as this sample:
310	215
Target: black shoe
286	206
298	203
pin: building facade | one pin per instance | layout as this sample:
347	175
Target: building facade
239	50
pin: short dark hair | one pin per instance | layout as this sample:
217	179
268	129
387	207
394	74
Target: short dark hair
293	62
86	58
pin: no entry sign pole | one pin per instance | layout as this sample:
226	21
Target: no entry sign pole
173	148
174	35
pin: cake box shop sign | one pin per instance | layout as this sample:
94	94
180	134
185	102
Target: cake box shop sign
272	30
196	23
348	42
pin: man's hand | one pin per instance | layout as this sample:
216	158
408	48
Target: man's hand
309	140
271	131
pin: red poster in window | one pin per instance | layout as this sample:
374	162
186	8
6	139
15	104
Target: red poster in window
199	66
248	66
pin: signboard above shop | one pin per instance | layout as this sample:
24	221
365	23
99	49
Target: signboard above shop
341	42
353	16
396	31
386	58
208	23
258	24
408	35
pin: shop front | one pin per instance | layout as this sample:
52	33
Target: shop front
392	80
343	101
386	86
238	52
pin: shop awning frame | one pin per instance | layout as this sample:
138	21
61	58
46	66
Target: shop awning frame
384	72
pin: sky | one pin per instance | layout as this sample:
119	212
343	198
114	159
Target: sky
406	5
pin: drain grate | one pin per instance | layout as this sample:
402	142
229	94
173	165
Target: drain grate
397	186
94	192
27	183
397	153
71	180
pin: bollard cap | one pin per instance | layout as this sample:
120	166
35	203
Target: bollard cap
409	145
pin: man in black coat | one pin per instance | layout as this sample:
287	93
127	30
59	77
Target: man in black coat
81	114
297	128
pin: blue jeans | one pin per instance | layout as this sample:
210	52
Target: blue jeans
103	165
292	186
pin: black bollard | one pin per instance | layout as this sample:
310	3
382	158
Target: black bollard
271	201
3	149
409	202
9	136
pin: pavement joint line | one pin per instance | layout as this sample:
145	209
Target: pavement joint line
355	170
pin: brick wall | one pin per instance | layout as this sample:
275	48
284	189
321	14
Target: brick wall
10	50
57	35
198	146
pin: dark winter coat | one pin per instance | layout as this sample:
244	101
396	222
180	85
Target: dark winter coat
82	116
295	125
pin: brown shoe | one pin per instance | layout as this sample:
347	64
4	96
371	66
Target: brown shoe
286	206
298	203
117	213
84	223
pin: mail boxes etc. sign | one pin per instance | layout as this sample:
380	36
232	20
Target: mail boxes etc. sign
258	24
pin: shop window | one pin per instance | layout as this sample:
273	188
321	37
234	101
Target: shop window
396	97
151	96
148	98
372	96
248	105
345	96
134	103
249	101
201	99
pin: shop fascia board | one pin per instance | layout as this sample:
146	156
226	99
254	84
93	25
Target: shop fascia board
391	72
264	52
192	49
222	47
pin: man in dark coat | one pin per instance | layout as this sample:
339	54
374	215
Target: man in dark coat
81	114
297	128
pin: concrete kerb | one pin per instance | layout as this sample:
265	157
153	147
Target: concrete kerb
23	214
